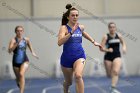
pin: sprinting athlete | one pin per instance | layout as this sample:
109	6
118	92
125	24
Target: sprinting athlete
73	56
112	59
20	61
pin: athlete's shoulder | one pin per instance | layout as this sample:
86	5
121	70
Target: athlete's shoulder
82	27
13	39
27	39
119	35
105	36
63	29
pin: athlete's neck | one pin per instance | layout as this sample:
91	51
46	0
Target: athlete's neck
71	24
112	34
19	37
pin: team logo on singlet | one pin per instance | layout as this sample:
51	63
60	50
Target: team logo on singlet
22	45
78	34
114	41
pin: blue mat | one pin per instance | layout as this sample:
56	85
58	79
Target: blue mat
92	85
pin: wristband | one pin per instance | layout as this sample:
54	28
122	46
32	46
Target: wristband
71	33
93	41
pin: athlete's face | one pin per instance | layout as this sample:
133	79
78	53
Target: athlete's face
112	28
19	32
73	17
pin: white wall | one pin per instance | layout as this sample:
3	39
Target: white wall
45	42
123	7
51	8
56	9
23	6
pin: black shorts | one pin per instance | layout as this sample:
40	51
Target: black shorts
18	65
112	56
